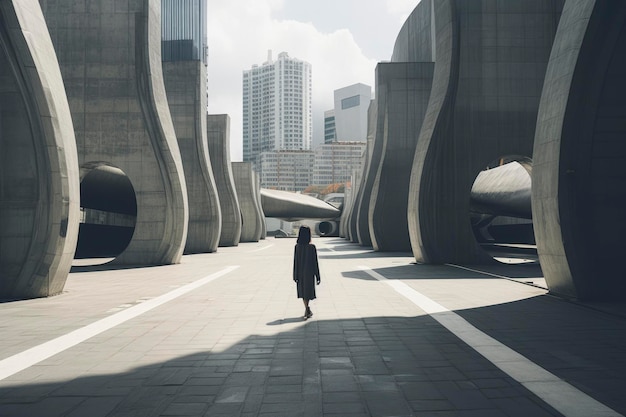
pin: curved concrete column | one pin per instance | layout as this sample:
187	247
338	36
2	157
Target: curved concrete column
185	84
403	102
578	193
245	185
110	57
374	152
351	226
39	186
490	61
257	193
218	136
348	204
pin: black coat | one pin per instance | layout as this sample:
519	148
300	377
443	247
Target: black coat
305	270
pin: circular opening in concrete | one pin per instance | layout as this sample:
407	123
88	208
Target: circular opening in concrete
500	210
327	228
108	214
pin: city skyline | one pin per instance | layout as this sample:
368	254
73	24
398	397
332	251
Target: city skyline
338	43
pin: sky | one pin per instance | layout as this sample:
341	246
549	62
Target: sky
342	39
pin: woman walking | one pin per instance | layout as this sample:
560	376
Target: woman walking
306	271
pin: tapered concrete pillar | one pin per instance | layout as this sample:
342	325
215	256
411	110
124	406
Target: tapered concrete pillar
403	90
185	83
375	133
245	185
110	58
39	177
218	136
257	193
578	182
490	61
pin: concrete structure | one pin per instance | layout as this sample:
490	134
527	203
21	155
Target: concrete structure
110	58
277	110
218	137
351	104
578	195
402	93
39	177
257	194
291	207
335	162
185	77
376	126
251	212
490	60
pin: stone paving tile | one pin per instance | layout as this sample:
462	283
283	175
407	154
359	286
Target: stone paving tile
238	346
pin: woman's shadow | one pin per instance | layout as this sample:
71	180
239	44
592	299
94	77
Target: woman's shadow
285	321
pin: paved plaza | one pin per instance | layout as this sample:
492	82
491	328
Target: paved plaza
222	334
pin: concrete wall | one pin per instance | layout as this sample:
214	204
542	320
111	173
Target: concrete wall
185	84
578	193
110	57
490	61
218	136
403	90
39	185
245	185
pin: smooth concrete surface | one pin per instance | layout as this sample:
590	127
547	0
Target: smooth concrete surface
218	136
39	176
185	85
290	207
360	231
490	62
402	92
246	187
257	194
223	336
110	58
578	194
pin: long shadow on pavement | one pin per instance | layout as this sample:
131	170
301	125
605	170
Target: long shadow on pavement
373	366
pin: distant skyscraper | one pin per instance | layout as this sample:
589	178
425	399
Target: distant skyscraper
184	30
351	104
330	133
277	111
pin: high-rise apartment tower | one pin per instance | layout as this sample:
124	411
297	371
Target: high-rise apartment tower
277	111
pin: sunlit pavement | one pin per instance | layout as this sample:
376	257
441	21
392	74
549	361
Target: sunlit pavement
223	334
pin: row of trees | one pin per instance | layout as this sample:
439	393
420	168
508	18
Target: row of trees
322	190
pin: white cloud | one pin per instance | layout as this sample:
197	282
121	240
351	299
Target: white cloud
401	8
241	32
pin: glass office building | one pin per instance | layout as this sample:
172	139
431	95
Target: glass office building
184	30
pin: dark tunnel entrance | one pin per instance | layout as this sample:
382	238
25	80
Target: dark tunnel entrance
501	212
108	213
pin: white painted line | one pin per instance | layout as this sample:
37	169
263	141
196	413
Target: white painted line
32	356
568	400
263	248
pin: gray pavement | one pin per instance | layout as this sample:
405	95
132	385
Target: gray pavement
388	338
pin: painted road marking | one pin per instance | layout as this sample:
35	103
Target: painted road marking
568	400
19	362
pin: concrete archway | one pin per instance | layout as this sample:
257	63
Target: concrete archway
108	212
500	210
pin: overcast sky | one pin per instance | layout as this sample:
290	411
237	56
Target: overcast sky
342	39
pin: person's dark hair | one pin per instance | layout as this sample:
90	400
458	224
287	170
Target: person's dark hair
304	235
